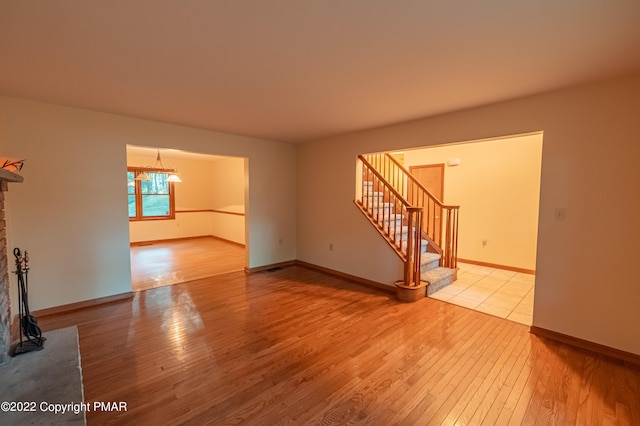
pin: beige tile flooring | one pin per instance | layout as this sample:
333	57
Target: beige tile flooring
497	292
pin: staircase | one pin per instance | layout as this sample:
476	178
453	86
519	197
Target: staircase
437	276
412	229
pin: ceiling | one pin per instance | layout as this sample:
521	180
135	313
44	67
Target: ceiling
296	71
167	154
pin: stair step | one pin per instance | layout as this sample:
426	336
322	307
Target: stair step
429	261
437	278
393	222
385	213
399	230
378	204
369	193
374	201
405	233
423	251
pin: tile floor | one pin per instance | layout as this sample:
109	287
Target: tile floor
497	292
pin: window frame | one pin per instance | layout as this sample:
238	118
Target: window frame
138	194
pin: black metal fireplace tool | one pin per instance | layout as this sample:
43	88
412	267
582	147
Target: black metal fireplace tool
30	334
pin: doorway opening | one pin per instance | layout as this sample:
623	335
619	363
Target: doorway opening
496	183
204	234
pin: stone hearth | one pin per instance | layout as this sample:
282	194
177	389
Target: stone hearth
5	302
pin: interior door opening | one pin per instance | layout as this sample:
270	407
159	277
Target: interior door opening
206	236
496	183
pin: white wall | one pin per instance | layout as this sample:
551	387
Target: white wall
215	183
71	211
227	176
229	181
497	186
586	282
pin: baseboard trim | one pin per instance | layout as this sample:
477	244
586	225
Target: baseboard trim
171	240
227	241
333	272
343	275
271	266
80	305
495	265
210	211
585	344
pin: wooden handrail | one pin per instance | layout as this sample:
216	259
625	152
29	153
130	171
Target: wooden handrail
391	213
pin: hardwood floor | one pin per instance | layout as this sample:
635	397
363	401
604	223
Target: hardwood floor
296	346
176	261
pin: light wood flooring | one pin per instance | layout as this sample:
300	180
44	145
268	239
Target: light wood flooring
296	346
175	261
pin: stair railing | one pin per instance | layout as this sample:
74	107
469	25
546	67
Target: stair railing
440	226
394	217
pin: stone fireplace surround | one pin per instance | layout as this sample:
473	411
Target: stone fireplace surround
5	302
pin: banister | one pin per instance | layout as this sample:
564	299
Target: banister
419	184
385	219
440	221
382	179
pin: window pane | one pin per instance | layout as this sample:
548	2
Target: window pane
131	183
157	185
132	206
152	196
155	205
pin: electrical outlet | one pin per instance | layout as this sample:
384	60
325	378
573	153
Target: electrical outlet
484	242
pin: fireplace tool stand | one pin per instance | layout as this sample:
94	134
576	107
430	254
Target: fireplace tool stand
31	338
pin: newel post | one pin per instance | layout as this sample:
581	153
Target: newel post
412	288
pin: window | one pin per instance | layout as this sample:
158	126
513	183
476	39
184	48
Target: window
150	199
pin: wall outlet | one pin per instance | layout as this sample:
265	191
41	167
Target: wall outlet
484	242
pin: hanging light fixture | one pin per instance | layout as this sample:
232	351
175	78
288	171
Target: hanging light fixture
171	176
142	176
